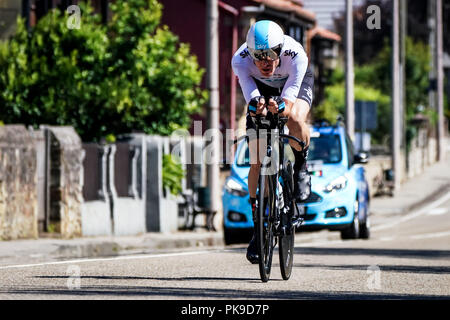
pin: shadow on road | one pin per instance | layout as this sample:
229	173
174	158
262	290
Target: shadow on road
118	292
253	280
389	268
394	253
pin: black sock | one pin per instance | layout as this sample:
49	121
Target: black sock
300	158
253	203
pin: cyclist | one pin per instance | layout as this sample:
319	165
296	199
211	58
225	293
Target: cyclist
272	64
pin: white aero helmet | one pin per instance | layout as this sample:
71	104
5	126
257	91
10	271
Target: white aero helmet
265	39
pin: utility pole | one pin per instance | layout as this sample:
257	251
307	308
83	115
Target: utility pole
432	43
212	83
349	74
396	119
440	81
26	9
403	105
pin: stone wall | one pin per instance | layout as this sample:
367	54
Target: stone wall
18	179
66	181
423	153
374	172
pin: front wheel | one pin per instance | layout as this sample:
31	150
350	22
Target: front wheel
264	226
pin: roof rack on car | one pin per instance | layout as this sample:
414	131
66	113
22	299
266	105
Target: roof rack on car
340	121
321	123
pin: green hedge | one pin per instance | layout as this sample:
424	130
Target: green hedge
373	83
129	75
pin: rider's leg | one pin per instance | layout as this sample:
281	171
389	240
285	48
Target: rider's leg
298	127
253	175
297	123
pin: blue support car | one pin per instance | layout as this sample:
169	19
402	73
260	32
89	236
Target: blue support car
339	197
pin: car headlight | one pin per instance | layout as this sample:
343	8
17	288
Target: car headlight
235	188
337	184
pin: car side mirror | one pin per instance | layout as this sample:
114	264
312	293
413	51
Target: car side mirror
361	157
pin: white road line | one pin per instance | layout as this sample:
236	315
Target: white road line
133	257
414	214
430	235
387	239
318	244
438	211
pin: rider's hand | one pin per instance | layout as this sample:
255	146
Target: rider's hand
277	105
256	105
272	106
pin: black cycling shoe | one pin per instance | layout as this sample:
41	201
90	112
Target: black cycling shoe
302	184
302	179
252	255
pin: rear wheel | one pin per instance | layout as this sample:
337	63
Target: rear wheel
286	239
286	248
264	226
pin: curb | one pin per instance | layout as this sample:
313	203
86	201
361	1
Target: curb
144	244
444	189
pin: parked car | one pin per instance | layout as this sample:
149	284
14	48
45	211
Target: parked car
339	199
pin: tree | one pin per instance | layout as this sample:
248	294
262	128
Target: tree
129	75
367	42
334	103
373	83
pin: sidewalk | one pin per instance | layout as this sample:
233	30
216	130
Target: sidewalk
35	251
434	182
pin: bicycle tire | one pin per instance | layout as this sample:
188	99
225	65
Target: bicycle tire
264	227
286	241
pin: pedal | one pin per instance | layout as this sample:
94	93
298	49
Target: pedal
298	222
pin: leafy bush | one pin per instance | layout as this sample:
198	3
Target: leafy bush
128	75
172	174
373	83
334	105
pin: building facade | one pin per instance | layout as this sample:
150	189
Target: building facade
187	19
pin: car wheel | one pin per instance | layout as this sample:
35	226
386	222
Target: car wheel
229	236
364	232
353	231
233	236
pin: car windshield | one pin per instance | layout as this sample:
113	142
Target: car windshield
325	148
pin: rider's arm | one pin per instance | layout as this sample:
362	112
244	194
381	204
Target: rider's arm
297	71
248	85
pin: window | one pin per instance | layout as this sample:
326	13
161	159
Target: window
326	147
296	32
350	150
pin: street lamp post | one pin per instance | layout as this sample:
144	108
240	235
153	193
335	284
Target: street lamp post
396	117
440	81
349	74
212	83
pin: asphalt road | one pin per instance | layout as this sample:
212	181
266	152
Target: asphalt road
408	257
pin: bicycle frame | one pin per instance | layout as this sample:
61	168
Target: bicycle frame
275	222
277	123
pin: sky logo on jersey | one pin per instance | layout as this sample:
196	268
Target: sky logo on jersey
244	54
290	53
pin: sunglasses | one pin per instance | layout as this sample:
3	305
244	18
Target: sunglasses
272	53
